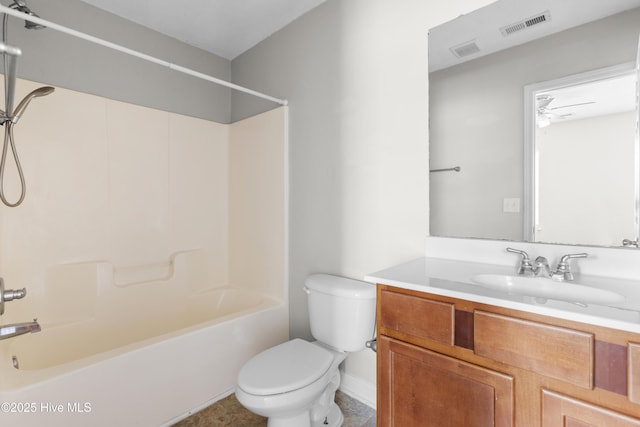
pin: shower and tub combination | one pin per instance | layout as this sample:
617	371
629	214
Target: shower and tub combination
138	359
143	312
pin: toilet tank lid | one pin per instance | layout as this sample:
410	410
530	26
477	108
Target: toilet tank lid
340	286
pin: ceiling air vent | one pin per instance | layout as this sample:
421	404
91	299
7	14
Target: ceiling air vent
465	49
527	23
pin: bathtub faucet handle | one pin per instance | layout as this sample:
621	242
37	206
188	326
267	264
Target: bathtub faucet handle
9	295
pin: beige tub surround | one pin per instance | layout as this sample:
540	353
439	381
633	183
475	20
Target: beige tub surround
153	247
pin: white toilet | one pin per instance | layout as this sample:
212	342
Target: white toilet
294	384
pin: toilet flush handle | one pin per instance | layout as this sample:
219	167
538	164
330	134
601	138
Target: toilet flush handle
307	290
372	344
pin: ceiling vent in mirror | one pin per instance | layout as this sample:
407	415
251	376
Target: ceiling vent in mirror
465	49
526	23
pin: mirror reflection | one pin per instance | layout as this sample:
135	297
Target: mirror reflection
582	128
535	103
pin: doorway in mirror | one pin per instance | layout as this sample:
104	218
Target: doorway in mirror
581	158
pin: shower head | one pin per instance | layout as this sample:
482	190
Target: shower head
42	91
21	6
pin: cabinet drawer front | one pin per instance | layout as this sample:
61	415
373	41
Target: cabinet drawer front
560	411
561	353
420	317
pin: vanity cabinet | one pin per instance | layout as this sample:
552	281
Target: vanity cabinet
451	362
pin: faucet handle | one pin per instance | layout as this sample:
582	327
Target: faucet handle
564	269
525	263
567	257
9	295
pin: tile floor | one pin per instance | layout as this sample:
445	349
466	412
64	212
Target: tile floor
228	412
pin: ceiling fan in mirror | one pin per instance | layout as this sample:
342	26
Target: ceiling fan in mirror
546	113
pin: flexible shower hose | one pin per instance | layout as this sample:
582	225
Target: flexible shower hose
8	136
8	141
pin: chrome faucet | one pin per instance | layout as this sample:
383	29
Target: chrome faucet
540	267
9	331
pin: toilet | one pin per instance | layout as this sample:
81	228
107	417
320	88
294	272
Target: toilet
294	383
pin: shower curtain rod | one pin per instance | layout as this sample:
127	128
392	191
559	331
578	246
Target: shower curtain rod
108	44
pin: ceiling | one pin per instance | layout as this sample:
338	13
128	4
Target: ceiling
226	28
484	25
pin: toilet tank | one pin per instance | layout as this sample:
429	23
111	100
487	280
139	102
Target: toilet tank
341	311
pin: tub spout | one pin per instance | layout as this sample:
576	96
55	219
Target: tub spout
8	331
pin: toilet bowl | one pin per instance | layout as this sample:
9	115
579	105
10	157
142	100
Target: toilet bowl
294	383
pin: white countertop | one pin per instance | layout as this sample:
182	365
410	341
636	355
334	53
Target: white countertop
452	278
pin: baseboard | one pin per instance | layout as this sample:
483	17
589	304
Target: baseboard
359	389
198	408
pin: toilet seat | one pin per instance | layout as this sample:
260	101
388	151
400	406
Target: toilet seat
284	368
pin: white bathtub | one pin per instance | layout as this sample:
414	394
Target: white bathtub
136	368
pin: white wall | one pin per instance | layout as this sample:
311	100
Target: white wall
355	73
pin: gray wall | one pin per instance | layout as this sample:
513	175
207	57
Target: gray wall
301	63
57	59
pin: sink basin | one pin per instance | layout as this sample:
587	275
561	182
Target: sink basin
542	287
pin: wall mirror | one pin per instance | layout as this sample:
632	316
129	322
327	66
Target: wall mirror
534	123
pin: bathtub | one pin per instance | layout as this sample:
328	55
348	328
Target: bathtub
144	365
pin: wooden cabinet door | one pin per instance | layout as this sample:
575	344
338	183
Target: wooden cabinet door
563	411
418	387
